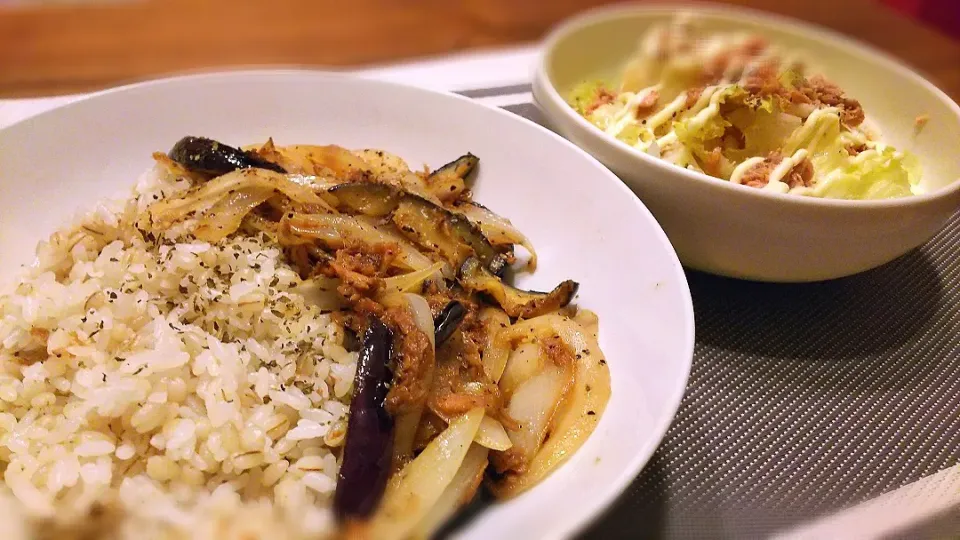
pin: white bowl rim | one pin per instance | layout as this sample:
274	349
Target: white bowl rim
641	458
602	14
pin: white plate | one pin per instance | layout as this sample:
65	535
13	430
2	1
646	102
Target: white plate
585	223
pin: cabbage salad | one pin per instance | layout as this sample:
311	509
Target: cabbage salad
734	107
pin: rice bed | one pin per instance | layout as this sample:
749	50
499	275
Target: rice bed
166	388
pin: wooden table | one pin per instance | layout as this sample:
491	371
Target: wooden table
63	49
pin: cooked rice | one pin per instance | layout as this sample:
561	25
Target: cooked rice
166	388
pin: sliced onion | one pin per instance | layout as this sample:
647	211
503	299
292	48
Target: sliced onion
320	160
495	351
492	435
533	404
407	423
411	281
418	486
405	434
584	404
421	315
498	230
524	362
589	321
168	211
460	491
225	217
339	230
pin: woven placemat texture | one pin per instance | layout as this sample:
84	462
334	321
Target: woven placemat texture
806	398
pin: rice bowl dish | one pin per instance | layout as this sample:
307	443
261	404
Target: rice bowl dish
187	356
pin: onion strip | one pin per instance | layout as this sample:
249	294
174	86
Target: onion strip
405	430
411	281
492	435
461	489
575	419
417	487
225	217
168	211
498	230
495	353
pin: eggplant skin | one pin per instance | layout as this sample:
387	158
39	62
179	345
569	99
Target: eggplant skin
208	156
368	449
460	167
447	321
366	198
515	302
466	231
433	227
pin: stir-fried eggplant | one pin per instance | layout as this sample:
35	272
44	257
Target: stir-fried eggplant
367	450
500	379
460	167
453	236
513	301
447	320
448	183
212	157
367	198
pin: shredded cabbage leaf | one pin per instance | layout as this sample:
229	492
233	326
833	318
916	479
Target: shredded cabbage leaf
584	95
879	173
744	126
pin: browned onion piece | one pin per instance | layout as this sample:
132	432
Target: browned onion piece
206	195
583	404
225	216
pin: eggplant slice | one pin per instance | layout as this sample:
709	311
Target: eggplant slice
447	321
368	447
460	167
515	302
449	182
451	235
208	156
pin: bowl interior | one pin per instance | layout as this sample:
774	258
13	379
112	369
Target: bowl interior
584	222
597	46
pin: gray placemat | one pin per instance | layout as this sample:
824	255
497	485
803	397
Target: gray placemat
802	399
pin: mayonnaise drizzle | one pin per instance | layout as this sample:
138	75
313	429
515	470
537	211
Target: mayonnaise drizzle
786	165
737	175
628	115
676	53
819	120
